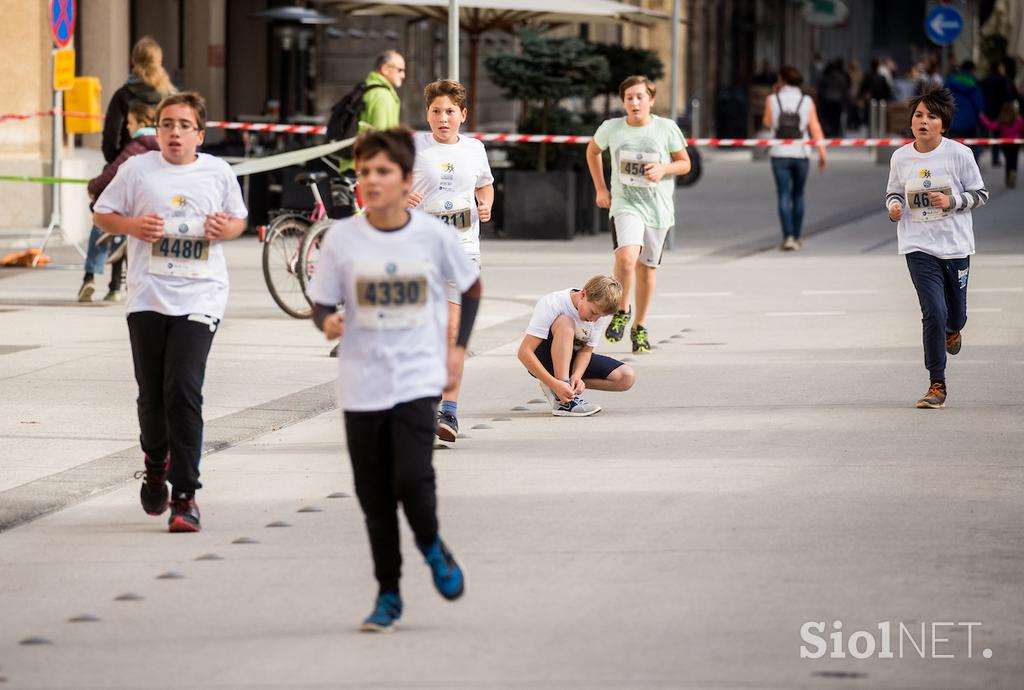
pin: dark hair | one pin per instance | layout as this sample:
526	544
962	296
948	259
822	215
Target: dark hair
396	144
939	101
967	66
190	98
630	82
446	87
791	75
384	58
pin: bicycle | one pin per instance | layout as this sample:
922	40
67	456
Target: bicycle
282	247
309	254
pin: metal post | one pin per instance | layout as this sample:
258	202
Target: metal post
453	39
676	19
58	102
695	118
872	124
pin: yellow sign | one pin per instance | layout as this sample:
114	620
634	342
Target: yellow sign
63	69
83	100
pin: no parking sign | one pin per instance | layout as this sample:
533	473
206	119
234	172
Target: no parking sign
62	21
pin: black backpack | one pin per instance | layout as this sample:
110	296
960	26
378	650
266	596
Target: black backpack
344	120
789	123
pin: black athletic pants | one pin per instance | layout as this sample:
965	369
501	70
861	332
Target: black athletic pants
391	453
941	286
170	364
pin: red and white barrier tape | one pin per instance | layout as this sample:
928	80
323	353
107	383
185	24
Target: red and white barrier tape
548	138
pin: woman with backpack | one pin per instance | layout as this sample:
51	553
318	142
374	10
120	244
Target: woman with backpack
790	114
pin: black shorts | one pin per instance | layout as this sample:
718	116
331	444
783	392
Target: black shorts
600	366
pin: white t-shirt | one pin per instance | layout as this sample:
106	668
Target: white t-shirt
950	166
790	97
396	316
183	195
448	176
555	304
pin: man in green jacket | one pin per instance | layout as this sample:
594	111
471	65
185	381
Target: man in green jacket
381	106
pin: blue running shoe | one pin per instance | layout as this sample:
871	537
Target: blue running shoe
387	611
448	578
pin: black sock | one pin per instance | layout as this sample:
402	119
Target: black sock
87	278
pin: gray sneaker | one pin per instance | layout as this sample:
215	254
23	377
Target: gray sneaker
85	292
577	407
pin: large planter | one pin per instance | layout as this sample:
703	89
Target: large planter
539	206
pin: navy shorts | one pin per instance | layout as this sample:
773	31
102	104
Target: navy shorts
600	367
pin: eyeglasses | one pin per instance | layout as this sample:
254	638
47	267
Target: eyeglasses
184	125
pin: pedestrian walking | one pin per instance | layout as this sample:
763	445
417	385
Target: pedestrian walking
997	91
970	103
934	184
1010	125
389	267
452	181
646	151
790	114
177	207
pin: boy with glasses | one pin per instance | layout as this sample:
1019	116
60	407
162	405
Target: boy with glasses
176	206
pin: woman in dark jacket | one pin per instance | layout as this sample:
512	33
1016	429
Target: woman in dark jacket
148	83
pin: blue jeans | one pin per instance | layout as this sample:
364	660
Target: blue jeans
96	258
790	178
941	286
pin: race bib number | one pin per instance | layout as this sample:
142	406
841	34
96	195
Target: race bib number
456	213
918	202
186	257
633	168
391	296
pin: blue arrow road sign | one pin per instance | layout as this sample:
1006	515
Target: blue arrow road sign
943	25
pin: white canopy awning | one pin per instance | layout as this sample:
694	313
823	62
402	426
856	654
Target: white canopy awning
477	16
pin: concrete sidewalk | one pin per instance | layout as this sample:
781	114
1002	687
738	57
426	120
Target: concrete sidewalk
768	470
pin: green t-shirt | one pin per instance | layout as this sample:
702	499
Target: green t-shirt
631	149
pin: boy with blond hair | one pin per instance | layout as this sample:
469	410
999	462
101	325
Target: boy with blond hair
558	348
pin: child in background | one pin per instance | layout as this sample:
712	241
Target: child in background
143	134
1010	125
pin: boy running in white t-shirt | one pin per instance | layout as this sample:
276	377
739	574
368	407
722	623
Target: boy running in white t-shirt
646	151
452	181
934	183
389	267
558	348
176	206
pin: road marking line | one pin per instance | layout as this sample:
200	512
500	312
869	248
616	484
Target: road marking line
988	310
997	289
671	316
804	313
840	292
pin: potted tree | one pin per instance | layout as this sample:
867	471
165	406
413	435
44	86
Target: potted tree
540	191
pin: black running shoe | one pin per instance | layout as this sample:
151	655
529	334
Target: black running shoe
153	493
184	516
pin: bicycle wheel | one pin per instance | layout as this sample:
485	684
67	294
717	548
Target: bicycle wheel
281	265
310	253
118	252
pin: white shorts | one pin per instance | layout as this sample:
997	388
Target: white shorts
628	229
451	292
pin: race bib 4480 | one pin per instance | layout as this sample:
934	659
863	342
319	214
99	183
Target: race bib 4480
187	257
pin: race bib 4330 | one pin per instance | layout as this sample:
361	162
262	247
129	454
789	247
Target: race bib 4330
391	295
